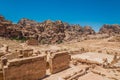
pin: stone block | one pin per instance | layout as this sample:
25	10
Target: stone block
59	61
32	68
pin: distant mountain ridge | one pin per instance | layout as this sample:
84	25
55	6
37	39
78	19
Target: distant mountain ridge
49	32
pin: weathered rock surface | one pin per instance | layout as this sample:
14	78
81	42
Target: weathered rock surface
46	32
49	32
77	31
110	29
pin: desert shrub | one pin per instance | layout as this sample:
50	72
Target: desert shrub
22	39
43	41
59	41
82	49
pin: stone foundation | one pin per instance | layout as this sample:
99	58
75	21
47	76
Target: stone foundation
59	61
94	58
32	68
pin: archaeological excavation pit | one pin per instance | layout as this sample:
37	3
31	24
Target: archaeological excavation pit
25	64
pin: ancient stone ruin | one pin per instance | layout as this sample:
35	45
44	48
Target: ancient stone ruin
32	42
59	61
94	58
25	65
32	68
55	50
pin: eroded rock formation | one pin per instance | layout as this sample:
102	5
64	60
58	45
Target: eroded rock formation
46	32
110	29
49	32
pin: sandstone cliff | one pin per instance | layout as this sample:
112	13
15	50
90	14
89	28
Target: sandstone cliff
110	29
46	32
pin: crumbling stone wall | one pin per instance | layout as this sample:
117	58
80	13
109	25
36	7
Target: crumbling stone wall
27	52
1	75
32	42
32	68
59	61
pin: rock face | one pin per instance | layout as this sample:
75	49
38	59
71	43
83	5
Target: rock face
76	31
9	30
47	32
110	29
87	30
3	26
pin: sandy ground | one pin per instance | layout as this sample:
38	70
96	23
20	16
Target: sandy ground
79	71
101	45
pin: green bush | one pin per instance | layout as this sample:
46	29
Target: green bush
23	39
59	41
43	41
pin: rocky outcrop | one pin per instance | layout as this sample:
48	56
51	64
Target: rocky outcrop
47	32
9	30
110	29
14	31
87	30
3	26
77	31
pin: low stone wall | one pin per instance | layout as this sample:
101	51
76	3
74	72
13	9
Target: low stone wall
32	42
32	68
59	61
27	52
19	54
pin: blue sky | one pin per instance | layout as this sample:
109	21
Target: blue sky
94	13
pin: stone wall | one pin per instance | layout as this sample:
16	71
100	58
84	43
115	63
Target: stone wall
26	52
59	61
32	68
1	75
32	42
